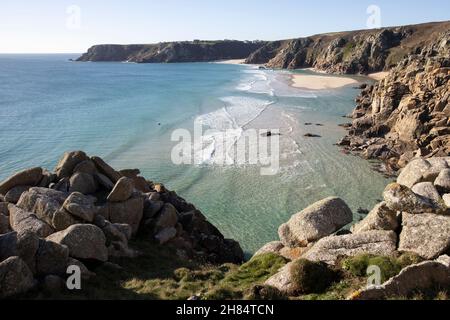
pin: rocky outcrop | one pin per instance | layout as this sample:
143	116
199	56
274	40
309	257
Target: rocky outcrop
315	222
168	52
406	115
54	224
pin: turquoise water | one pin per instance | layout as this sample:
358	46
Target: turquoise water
127	113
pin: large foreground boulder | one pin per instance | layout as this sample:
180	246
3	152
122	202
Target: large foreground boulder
380	218
15	277
43	202
417	277
315	222
427	235
30	177
329	249
85	241
81	206
21	221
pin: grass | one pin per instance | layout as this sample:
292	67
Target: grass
348	50
389	266
160	274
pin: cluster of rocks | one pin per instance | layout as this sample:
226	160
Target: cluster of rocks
84	213
414	217
406	115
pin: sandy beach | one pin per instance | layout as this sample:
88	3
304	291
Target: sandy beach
320	82
236	61
379	75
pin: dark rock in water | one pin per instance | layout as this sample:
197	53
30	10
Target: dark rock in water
363	211
270	134
308	124
311	135
363	86
319	125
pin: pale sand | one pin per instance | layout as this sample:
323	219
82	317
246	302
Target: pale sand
379	75
314	82
236	61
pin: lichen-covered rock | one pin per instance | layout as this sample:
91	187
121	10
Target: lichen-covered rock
429	191
22	221
442	182
51	258
83	183
329	249
43	202
68	162
315	222
271	247
84	241
129	212
106	169
22	244
15	277
30	177
122	191
427	235
417	277
403	199
81	206
380	218
283	280
13	195
167	218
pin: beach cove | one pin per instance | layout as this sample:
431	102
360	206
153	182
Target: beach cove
126	113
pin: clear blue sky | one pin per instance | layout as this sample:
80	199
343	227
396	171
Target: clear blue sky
49	26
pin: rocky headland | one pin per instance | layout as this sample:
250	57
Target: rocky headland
169	52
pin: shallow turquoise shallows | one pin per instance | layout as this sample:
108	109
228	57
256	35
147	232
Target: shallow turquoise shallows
127	113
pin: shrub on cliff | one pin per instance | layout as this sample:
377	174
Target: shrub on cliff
312	277
389	266
255	271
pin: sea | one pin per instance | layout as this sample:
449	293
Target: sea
146	116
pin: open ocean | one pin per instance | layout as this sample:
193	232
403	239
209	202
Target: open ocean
126	113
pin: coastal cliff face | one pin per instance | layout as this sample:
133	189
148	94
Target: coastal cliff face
356	52
197	51
408	113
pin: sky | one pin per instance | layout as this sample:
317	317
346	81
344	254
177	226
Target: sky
72	26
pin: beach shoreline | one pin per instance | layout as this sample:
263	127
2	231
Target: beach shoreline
320	82
233	61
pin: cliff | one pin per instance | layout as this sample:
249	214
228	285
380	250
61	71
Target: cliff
169	52
354	52
407	114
